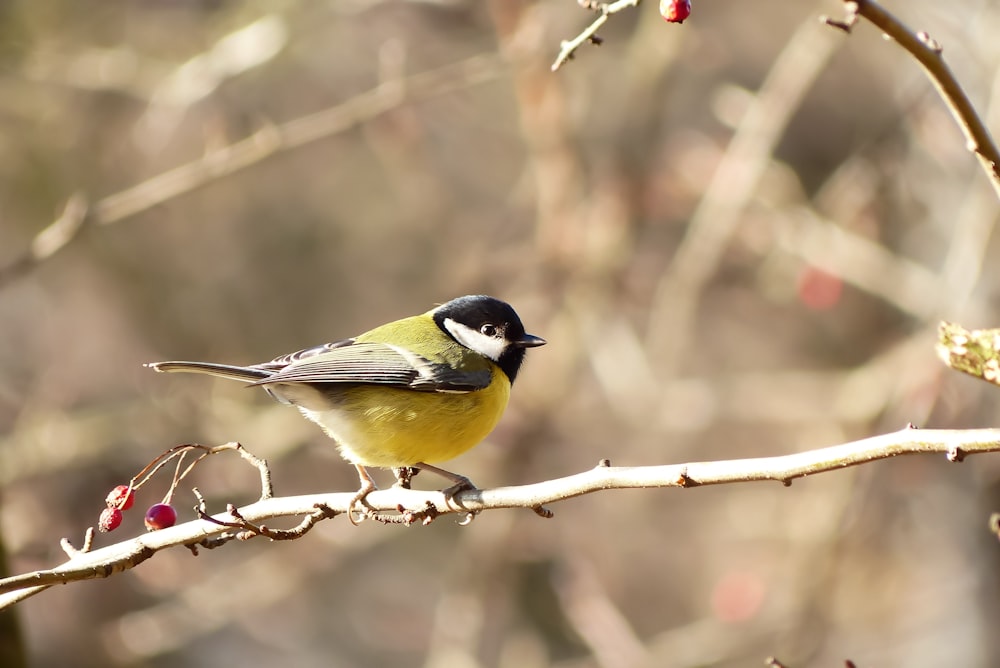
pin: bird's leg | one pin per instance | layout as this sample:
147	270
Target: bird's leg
404	476
367	487
461	482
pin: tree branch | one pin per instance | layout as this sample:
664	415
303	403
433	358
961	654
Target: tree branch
927	51
424	506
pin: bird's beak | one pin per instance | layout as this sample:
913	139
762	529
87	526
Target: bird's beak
529	341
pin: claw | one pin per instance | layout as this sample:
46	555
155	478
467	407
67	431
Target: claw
462	484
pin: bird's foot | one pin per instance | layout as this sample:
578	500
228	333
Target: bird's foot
462	484
358	500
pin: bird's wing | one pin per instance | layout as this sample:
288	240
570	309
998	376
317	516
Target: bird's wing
372	364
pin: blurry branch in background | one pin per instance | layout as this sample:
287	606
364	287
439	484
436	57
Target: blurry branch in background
406	506
265	143
864	263
199	77
774	662
927	51
741	168
713	223
162	86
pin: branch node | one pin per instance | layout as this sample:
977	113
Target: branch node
930	42
955	454
604	464
88	542
405	516
404	476
544	512
910	425
54	237
849	20
430	514
843	26
684	480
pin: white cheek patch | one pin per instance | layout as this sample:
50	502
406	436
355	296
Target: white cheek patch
487	346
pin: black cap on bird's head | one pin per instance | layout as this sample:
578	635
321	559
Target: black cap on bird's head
488	326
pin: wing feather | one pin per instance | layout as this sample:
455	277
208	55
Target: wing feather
279	363
372	363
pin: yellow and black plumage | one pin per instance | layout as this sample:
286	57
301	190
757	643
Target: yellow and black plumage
410	393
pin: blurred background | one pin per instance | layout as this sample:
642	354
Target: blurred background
737	235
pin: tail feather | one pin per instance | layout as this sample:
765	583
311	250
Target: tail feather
246	373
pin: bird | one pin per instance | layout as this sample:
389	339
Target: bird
405	395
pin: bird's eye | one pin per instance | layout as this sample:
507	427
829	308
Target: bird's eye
488	330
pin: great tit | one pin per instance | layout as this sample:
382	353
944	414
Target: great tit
405	395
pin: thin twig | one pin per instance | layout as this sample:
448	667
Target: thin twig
179	451
88	542
567	48
103	562
249	530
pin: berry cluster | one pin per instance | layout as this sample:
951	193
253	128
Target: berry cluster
121	498
185	458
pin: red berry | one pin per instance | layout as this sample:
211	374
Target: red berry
675	11
160	516
110	519
121	497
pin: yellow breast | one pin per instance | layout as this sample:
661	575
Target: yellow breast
390	427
